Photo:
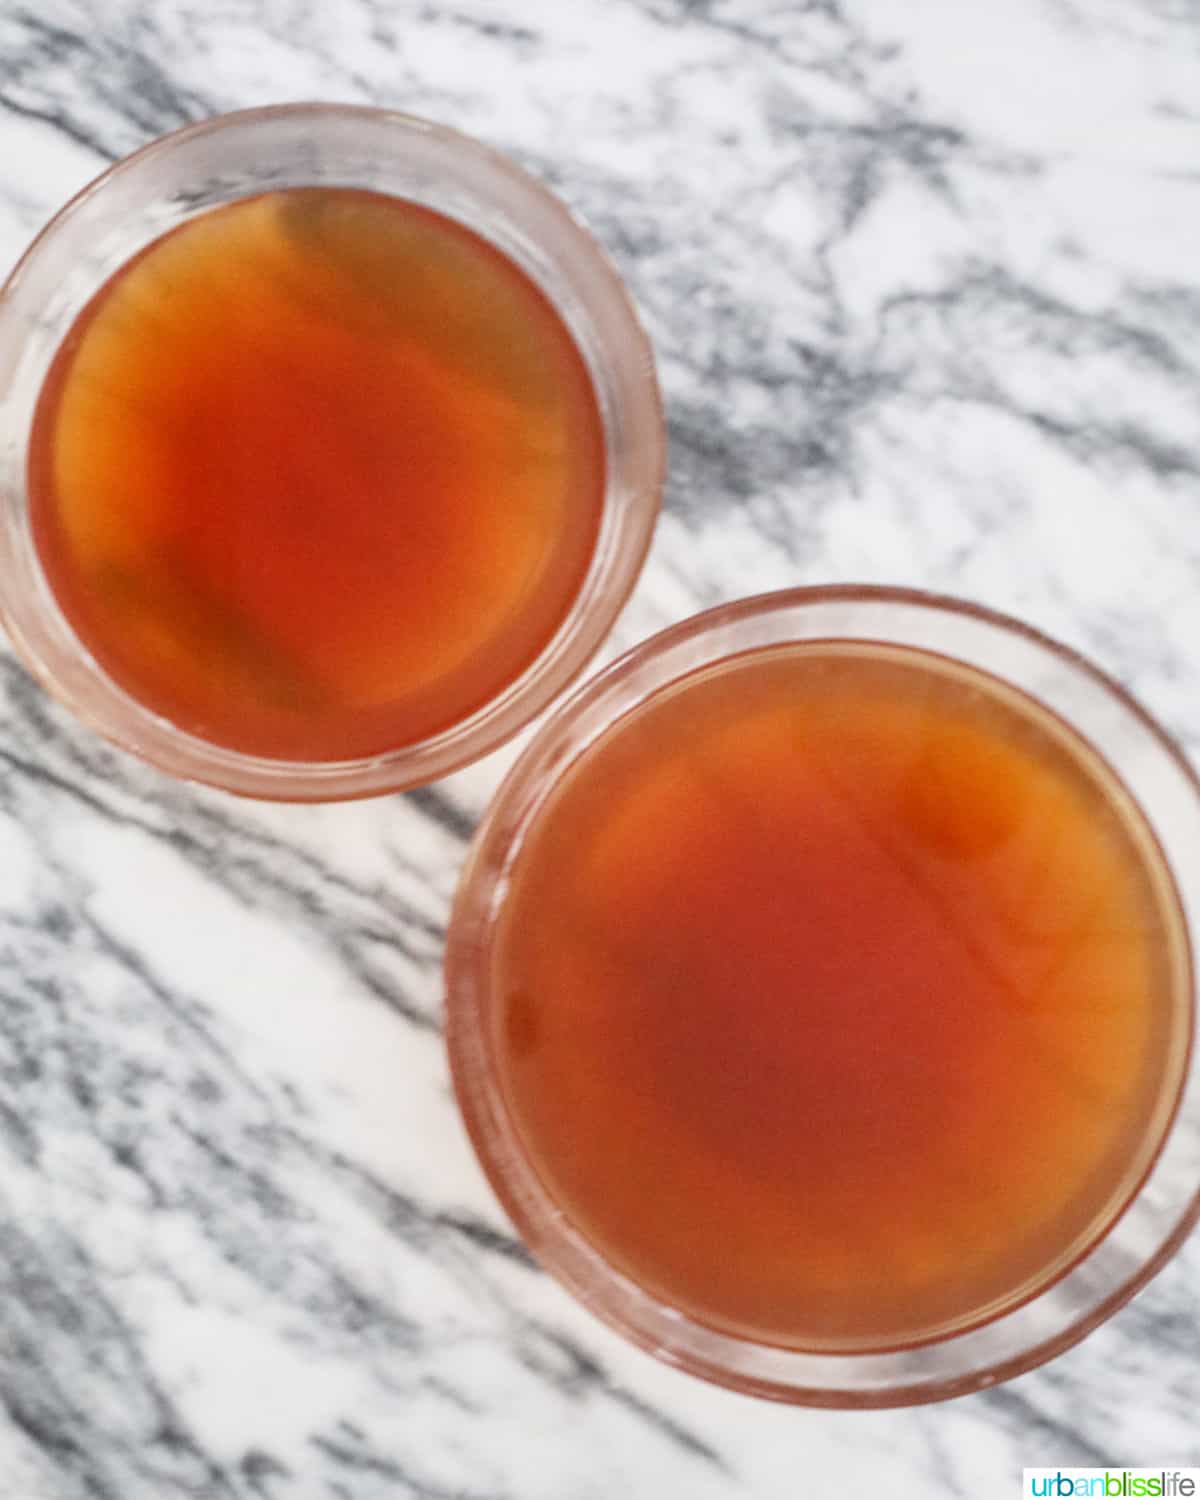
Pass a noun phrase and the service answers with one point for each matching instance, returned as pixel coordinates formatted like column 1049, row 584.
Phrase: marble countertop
column 924, row 281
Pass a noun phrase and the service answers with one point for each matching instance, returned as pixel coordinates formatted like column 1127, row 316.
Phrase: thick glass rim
column 1143, row 759
column 236, row 155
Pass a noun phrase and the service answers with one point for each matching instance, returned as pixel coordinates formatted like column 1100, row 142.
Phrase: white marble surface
column 924, row 279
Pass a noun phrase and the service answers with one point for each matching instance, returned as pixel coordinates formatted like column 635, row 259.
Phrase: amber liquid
column 844, row 997
column 317, row 474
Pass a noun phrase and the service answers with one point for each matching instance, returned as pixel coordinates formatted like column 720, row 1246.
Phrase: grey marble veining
column 924, row 280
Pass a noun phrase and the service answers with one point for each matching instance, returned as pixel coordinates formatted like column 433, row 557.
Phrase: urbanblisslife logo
column 1113, row 1484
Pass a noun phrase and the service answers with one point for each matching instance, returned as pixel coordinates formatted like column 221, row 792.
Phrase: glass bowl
column 1090, row 1288
column 240, row 155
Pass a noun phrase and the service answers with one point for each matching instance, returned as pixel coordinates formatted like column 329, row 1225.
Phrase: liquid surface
column 317, row 474
column 843, row 997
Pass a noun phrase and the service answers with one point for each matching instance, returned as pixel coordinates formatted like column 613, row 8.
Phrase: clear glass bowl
column 1164, row 1206
column 239, row 155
